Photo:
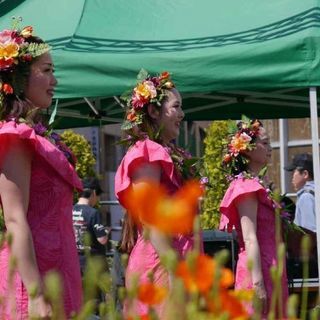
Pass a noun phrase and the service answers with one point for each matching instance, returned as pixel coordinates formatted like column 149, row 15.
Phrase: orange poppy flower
column 227, row 302
column 226, row 279
column 199, row 276
column 151, row 294
column 149, row 203
column 134, row 199
column 142, row 317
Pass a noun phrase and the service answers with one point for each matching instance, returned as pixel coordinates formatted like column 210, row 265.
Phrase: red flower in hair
column 7, row 89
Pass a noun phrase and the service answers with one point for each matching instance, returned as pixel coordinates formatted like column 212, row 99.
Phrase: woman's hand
column 39, row 308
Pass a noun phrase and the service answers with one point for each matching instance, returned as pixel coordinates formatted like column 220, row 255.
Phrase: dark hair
column 310, row 172
column 149, row 127
column 301, row 162
column 16, row 105
column 90, row 184
column 129, row 234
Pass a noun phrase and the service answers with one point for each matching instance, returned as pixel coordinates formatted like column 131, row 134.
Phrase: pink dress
column 49, row 216
column 144, row 258
column 265, row 233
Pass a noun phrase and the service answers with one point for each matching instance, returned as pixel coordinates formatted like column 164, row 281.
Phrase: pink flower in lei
column 276, row 199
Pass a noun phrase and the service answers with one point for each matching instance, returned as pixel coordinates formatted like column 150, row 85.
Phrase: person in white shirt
column 302, row 180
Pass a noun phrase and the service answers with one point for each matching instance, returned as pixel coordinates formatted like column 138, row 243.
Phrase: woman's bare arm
column 247, row 207
column 160, row 241
column 14, row 191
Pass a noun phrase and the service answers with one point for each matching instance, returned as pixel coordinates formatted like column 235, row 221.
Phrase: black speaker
column 215, row 240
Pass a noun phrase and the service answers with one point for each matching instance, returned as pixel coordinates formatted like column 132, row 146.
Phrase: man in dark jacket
column 87, row 222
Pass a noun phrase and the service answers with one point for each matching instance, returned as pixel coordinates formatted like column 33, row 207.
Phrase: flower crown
column 242, row 137
column 15, row 53
column 149, row 90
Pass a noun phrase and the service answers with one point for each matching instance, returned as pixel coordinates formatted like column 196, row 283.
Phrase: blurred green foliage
column 216, row 134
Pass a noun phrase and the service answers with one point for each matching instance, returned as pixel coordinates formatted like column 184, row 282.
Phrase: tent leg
column 316, row 164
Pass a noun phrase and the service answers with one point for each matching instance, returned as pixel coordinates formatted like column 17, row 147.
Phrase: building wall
column 297, row 139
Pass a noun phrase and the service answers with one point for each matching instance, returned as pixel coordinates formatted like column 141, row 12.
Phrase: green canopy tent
column 261, row 58
column 227, row 58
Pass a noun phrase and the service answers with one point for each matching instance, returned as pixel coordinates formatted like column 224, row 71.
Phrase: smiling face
column 261, row 155
column 41, row 82
column 171, row 116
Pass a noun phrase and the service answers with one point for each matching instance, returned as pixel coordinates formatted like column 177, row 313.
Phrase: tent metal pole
column 316, row 164
column 91, row 106
column 283, row 151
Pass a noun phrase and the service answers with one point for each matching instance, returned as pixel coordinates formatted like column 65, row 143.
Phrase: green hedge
column 216, row 134
column 81, row 148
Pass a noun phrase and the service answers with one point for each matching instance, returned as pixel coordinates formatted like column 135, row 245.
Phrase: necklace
column 55, row 139
column 184, row 163
column 280, row 203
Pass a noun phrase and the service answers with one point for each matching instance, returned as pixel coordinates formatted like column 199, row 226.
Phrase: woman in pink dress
column 153, row 120
column 248, row 207
column 37, row 179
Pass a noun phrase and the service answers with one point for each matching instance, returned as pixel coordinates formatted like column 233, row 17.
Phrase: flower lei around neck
column 282, row 205
column 187, row 166
column 55, row 139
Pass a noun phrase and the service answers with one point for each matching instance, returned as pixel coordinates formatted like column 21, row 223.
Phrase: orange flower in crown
column 149, row 90
column 240, row 142
column 242, row 138
column 16, row 51
column 150, row 204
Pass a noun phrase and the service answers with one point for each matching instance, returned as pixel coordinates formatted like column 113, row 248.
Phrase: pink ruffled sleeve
column 239, row 187
column 9, row 130
column 142, row 152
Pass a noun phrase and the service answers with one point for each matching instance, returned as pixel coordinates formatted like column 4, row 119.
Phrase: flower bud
column 26, row 32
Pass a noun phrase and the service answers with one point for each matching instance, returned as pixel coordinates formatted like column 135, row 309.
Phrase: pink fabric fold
column 238, row 187
column 42, row 146
column 145, row 151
